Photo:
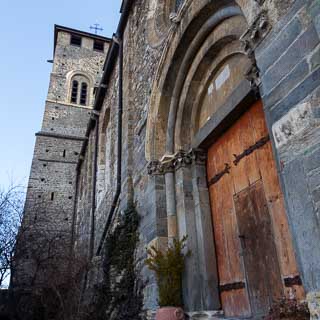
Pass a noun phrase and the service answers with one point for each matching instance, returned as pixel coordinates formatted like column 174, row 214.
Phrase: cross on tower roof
column 96, row 28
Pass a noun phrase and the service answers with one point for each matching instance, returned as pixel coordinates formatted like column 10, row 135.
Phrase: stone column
column 205, row 239
column 194, row 220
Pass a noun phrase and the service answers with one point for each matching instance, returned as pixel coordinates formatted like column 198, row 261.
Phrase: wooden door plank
column 234, row 302
column 255, row 180
column 237, row 301
column 217, row 214
column 231, row 219
column 247, row 139
column 282, row 235
column 239, row 176
column 262, row 267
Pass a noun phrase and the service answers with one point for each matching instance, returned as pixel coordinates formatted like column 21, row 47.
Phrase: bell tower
column 48, row 218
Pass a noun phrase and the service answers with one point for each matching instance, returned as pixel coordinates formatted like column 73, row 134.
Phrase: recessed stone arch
column 206, row 37
column 194, row 26
column 221, row 49
column 158, row 20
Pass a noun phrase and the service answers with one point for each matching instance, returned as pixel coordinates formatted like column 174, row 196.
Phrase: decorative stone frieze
column 253, row 76
column 198, row 156
column 205, row 315
column 251, row 39
column 155, row 168
column 180, row 159
column 256, row 32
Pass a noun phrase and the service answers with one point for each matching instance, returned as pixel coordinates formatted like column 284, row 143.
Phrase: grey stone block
column 313, row 8
column 303, row 222
column 312, row 161
column 297, row 51
column 279, row 27
column 274, row 93
column 295, row 96
column 279, row 45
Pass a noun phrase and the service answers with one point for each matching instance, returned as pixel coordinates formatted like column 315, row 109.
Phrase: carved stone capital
column 182, row 159
column 174, row 17
column 155, row 168
column 198, row 156
column 178, row 160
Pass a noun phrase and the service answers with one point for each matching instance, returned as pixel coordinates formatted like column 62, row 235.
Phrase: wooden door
column 253, row 243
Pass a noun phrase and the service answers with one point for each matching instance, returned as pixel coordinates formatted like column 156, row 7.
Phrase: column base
column 205, row 315
column 313, row 299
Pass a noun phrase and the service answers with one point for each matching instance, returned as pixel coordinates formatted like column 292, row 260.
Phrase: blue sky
column 26, row 43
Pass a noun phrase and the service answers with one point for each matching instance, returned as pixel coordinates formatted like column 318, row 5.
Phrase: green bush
column 168, row 267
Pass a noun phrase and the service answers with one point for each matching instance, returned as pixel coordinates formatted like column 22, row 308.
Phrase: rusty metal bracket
column 218, row 176
column 232, row 286
column 292, row 281
column 260, row 143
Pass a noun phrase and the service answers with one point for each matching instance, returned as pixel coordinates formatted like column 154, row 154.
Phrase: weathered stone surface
column 168, row 66
column 51, row 190
column 313, row 300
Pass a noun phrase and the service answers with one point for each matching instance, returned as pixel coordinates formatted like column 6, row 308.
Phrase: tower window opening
column 98, row 45
column 74, row 92
column 64, row 153
column 52, row 196
column 83, row 95
column 75, row 40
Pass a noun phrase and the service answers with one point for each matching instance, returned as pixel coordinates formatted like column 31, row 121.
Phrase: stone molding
column 170, row 163
column 256, row 32
column 206, row 315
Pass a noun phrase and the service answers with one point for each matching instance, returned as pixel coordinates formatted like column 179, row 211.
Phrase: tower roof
column 58, row 28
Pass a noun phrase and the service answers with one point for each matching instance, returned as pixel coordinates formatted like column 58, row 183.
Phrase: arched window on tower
column 83, row 94
column 79, row 91
column 74, row 91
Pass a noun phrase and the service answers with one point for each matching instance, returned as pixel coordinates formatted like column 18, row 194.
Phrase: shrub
column 168, row 267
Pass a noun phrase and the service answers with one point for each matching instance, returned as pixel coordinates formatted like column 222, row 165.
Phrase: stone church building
column 204, row 115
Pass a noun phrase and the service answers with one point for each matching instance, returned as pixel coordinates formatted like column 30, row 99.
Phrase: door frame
column 238, row 102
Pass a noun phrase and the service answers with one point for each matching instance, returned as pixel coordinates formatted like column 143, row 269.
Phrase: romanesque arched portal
column 207, row 135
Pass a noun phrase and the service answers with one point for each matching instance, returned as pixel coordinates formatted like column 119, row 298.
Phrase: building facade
column 206, row 119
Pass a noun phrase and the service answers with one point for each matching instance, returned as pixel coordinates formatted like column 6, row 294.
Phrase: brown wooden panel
column 260, row 255
column 238, row 173
column 282, row 236
column 225, row 232
column 250, row 187
column 247, row 139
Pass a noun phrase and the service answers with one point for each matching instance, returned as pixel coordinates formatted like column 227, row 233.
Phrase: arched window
column 83, row 94
column 74, row 91
column 79, row 92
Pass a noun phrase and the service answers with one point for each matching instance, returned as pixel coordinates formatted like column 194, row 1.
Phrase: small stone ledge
column 205, row 315
column 200, row 315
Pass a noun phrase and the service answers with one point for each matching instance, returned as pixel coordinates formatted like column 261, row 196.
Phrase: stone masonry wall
column 290, row 72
